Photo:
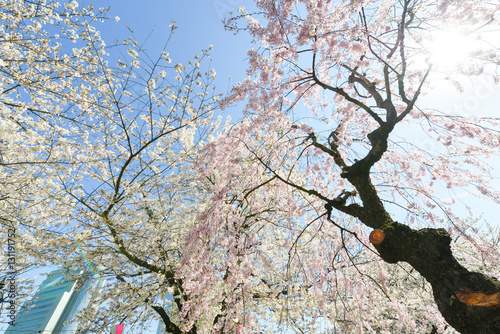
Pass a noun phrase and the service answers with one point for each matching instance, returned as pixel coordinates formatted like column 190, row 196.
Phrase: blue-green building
column 55, row 302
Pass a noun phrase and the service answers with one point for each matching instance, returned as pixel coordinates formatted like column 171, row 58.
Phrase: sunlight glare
column 450, row 49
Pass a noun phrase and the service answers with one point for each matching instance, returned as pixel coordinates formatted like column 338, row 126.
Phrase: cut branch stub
column 475, row 298
column 377, row 236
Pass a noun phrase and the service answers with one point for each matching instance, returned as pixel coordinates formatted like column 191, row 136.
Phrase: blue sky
column 199, row 23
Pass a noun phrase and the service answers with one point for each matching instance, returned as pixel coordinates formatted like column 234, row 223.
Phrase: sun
column 451, row 49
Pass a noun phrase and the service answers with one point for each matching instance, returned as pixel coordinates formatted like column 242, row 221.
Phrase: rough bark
column 426, row 250
column 429, row 252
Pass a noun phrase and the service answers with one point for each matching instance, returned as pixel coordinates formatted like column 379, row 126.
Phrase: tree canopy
column 359, row 69
column 319, row 211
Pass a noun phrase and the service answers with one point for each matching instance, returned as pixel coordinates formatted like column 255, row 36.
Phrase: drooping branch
column 469, row 301
column 286, row 181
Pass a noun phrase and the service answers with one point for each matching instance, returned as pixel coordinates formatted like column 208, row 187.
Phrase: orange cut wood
column 377, row 236
column 476, row 298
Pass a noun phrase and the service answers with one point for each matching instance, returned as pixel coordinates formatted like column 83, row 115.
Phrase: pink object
column 118, row 329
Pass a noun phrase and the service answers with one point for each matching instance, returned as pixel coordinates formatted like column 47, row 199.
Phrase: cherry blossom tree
column 336, row 89
column 291, row 266
column 102, row 175
column 98, row 146
column 39, row 85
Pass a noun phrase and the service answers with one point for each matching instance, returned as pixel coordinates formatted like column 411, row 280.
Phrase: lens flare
column 84, row 258
column 450, row 49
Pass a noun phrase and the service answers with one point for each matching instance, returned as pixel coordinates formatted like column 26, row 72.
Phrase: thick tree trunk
column 469, row 301
column 429, row 252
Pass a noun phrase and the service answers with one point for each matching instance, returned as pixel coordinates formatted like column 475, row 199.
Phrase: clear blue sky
column 199, row 23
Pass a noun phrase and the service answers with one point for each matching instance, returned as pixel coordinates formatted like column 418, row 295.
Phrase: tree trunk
column 429, row 252
column 469, row 301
